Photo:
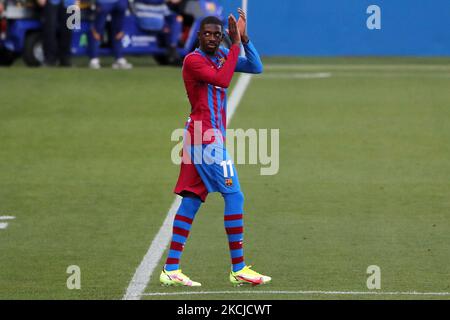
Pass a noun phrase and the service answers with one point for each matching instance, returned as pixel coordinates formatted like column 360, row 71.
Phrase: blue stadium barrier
column 339, row 27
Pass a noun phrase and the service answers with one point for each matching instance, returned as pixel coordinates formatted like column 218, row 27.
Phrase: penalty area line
column 144, row 271
column 380, row 293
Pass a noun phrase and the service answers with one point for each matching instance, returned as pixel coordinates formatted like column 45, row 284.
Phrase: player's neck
column 210, row 54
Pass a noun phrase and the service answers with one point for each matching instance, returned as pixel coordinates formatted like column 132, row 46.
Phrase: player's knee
column 234, row 202
column 239, row 197
column 190, row 205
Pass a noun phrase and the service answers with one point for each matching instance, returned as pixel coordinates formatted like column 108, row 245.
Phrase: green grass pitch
column 364, row 175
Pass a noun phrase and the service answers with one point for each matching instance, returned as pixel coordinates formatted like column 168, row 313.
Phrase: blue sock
column 181, row 227
column 234, row 226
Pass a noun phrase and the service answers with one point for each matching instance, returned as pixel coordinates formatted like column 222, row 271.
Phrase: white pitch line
column 297, row 75
column 143, row 273
column 151, row 259
column 237, row 94
column 418, row 67
column 4, row 225
column 7, row 217
column 340, row 74
column 399, row 293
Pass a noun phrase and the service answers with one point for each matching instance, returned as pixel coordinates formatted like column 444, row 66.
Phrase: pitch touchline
column 411, row 293
column 339, row 74
column 151, row 259
column 297, row 75
column 143, row 273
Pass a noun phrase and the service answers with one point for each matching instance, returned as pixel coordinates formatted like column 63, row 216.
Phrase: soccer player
column 206, row 165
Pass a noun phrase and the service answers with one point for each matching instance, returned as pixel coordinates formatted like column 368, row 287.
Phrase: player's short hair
column 211, row 20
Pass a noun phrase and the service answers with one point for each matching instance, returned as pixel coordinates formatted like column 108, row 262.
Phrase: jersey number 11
column 224, row 165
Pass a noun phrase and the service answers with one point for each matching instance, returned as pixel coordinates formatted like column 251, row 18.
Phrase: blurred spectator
column 177, row 6
column 2, row 7
column 155, row 15
column 57, row 38
column 117, row 9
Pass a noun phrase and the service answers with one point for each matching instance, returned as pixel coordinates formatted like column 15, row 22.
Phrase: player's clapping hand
column 242, row 25
column 233, row 30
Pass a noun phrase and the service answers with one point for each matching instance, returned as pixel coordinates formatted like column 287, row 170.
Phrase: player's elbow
column 258, row 69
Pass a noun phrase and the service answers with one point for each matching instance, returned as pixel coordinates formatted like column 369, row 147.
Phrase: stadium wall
column 339, row 27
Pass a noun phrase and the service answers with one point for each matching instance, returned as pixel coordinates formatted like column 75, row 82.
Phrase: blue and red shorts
column 210, row 169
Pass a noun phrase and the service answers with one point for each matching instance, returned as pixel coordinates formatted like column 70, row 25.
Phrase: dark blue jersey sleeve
column 251, row 62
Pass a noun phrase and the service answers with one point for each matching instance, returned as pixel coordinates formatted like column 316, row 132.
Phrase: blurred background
column 284, row 28
column 339, row 28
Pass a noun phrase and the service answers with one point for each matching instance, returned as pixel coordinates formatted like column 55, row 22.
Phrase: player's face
column 210, row 37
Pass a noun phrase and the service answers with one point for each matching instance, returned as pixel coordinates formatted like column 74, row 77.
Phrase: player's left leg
column 219, row 174
column 234, row 226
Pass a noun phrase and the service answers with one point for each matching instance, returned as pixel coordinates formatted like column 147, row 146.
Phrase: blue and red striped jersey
column 206, row 79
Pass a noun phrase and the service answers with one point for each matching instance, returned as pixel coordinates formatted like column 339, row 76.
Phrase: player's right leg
column 171, row 274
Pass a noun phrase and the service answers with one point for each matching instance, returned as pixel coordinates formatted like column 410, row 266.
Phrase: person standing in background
column 117, row 10
column 156, row 16
column 57, row 37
